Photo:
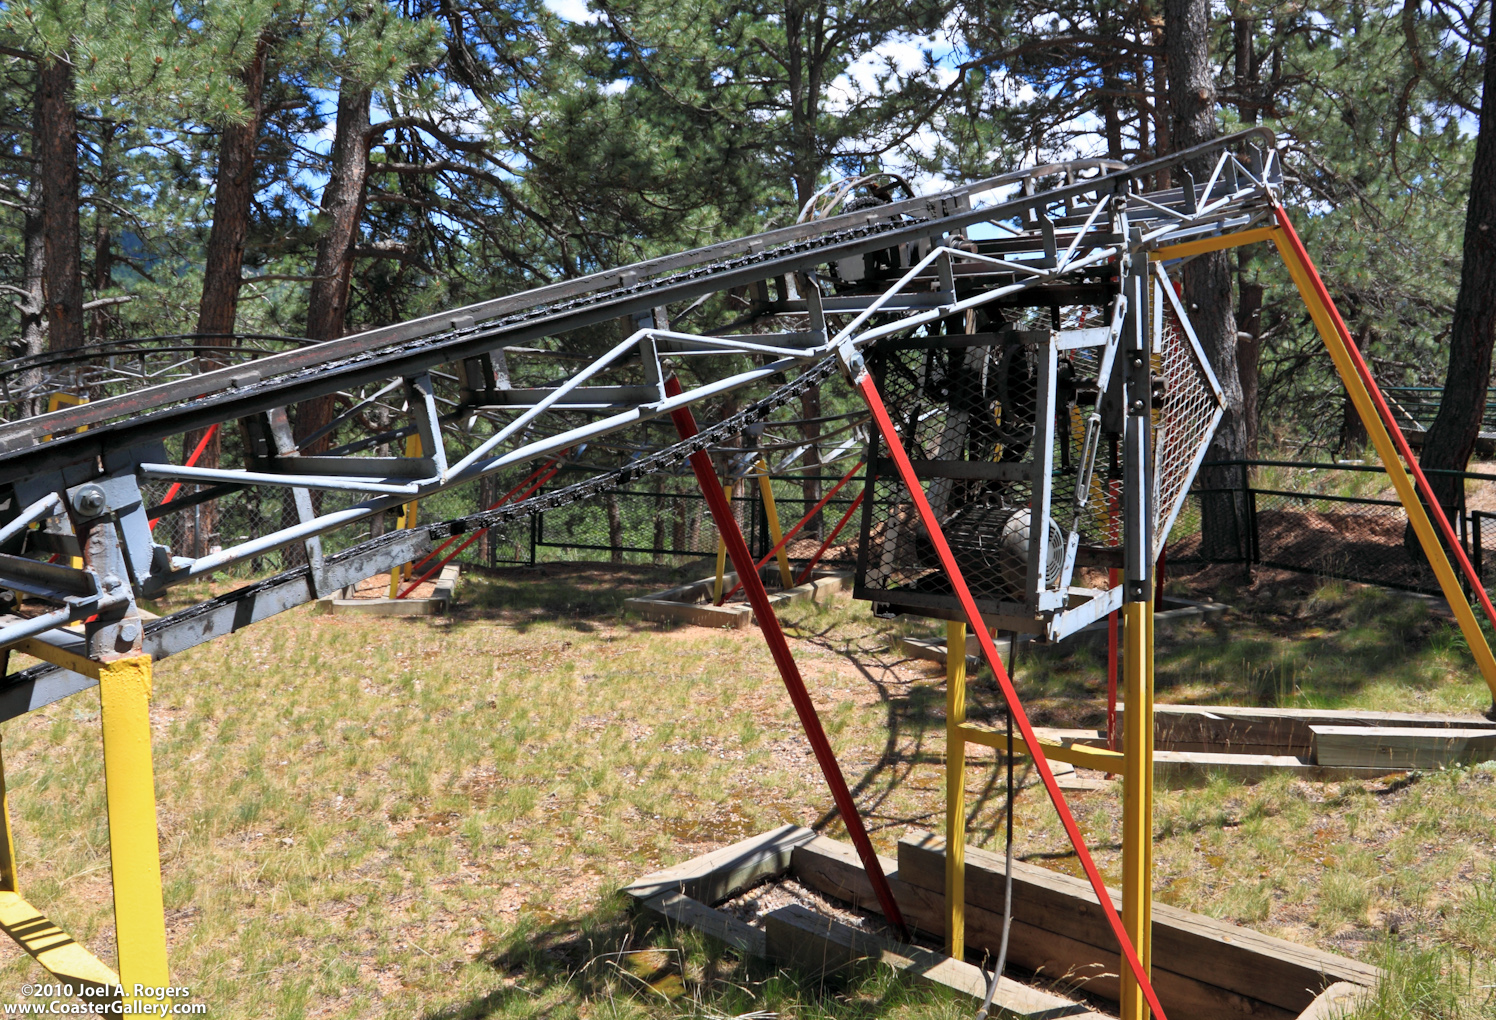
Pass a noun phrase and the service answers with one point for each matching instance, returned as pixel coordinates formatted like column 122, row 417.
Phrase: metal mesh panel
column 958, row 405
column 1183, row 423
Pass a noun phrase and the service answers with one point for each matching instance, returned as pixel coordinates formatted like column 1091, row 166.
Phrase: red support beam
column 176, row 487
column 779, row 648
column 477, row 534
column 795, row 530
column 805, row 574
column 493, row 506
column 1435, row 510
column 864, row 383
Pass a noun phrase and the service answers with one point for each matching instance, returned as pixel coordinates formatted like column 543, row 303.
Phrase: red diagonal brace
column 1435, row 509
column 779, row 647
column 864, row 383
column 805, row 574
column 795, row 530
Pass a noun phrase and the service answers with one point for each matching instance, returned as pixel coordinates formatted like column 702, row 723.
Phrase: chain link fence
column 1332, row 520
column 664, row 519
column 661, row 519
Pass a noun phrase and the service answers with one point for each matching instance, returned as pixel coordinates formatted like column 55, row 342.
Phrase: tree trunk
column 1451, row 439
column 103, row 239
column 342, row 207
column 1248, row 351
column 57, row 147
column 1207, row 279
column 232, row 197
column 1248, row 291
column 1111, row 116
column 1164, row 141
column 615, row 528
column 218, row 306
column 32, row 305
column 1353, row 437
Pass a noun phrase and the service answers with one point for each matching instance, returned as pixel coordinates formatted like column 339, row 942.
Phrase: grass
column 427, row 818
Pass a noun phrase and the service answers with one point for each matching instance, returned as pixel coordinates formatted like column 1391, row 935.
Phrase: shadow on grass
column 914, row 712
column 570, row 594
column 1320, row 646
column 610, row 963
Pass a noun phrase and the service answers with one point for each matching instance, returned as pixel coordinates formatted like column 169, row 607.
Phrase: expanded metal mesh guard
column 964, row 406
column 1185, row 422
column 972, row 414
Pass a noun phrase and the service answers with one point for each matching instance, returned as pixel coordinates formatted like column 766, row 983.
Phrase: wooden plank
column 691, row 603
column 722, row 874
column 824, row 945
column 1277, row 730
column 1402, row 747
column 1233, row 958
column 1335, row 1003
column 1179, row 769
column 722, row 926
column 833, row 868
column 664, row 611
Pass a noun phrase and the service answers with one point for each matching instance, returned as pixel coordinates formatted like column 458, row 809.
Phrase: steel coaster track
column 418, row 345
column 41, row 685
column 88, row 471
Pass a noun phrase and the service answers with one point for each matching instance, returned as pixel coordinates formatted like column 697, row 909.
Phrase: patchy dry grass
column 373, row 817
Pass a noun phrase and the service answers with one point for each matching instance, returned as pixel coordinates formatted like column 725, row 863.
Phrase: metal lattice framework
column 1021, row 327
column 1016, row 424
column 897, row 270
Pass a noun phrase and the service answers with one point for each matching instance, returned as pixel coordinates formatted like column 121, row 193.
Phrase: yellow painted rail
column 1082, row 755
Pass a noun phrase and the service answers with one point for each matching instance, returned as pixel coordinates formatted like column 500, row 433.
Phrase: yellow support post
column 8, row 880
column 48, row 944
column 1137, row 800
column 721, row 551
column 407, row 518
column 955, row 790
column 1221, row 243
column 134, row 853
column 766, row 490
column 59, row 400
column 1449, row 582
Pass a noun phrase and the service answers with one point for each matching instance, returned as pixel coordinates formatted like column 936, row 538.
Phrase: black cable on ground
column 1002, row 948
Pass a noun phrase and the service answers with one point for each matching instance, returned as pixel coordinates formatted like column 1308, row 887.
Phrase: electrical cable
column 1002, row 947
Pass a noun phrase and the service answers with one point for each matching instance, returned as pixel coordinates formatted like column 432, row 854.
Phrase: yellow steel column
column 1449, row 582
column 766, row 489
column 8, row 880
column 722, row 550
column 1145, row 946
column 1137, row 798
column 407, row 518
column 955, row 790
column 134, row 853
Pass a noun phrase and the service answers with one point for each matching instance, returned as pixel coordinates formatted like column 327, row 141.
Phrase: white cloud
column 903, row 53
column 571, row 10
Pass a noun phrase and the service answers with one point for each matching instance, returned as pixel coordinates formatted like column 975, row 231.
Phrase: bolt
column 129, row 632
column 90, row 500
column 1137, row 361
column 111, row 583
column 1137, row 407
